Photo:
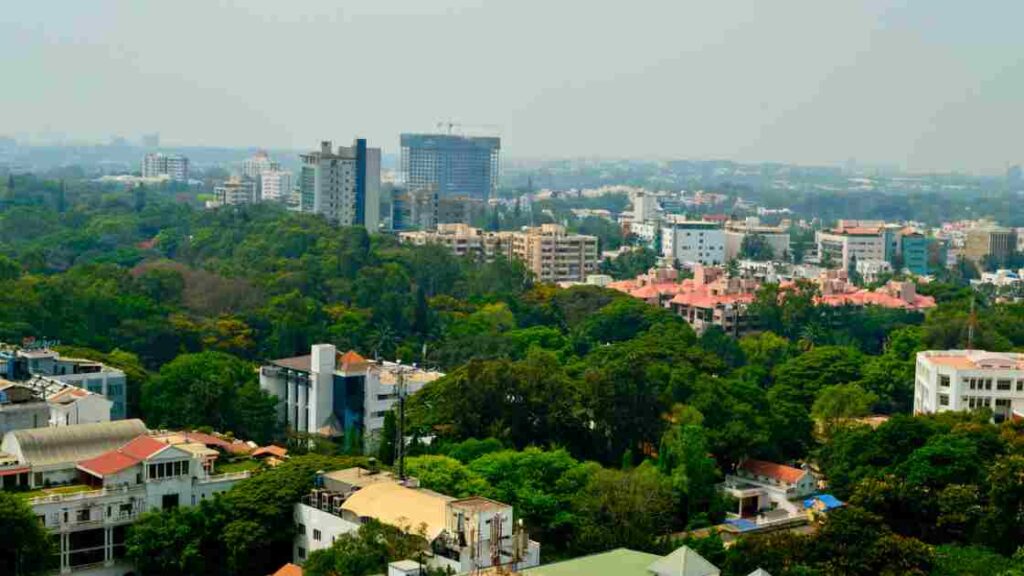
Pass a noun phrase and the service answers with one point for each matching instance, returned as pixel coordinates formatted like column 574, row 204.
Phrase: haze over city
column 927, row 86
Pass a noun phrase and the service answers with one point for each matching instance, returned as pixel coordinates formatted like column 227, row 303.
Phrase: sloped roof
column 351, row 360
column 69, row 444
column 142, row 447
column 300, row 363
column 68, row 395
column 402, row 507
column 289, row 569
column 759, row 572
column 618, row 562
column 270, row 450
column 683, row 562
column 780, row 472
column 108, row 463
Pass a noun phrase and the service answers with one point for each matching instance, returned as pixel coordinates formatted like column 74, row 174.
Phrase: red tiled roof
column 868, row 298
column 351, row 360
column 142, row 447
column 109, row 463
column 780, row 472
column 270, row 451
column 289, row 569
column 704, row 300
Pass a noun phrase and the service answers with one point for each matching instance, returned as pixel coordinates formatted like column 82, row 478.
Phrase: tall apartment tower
column 173, row 166
column 344, row 186
column 455, row 165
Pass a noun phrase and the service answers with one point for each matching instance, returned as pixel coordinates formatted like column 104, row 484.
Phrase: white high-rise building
column 645, row 206
column 257, row 164
column 276, row 185
column 344, row 186
column 236, row 192
column 693, row 242
column 958, row 380
column 173, row 166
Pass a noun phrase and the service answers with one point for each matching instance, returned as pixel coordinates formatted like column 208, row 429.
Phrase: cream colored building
column 548, row 251
column 553, row 255
column 462, row 240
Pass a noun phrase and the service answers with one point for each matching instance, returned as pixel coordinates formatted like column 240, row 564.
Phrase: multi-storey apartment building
column 46, row 368
column 453, row 164
column 171, row 166
column 463, row 240
column 275, row 185
column 968, row 379
column 109, row 473
column 692, row 242
column 257, row 164
column 553, row 255
column 339, row 395
column 236, row 192
column 343, row 186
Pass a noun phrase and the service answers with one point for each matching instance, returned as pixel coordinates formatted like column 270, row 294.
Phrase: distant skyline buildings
column 451, row 164
column 342, row 185
column 173, row 166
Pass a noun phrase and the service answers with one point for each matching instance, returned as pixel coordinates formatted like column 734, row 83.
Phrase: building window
column 316, row 534
column 302, row 552
column 943, row 399
column 82, row 515
column 1004, row 384
column 301, row 528
column 169, row 501
column 944, row 381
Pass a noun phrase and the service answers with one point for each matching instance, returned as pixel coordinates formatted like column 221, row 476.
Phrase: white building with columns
column 337, row 395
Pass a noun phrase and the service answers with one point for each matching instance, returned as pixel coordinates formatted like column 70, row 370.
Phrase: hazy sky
column 926, row 84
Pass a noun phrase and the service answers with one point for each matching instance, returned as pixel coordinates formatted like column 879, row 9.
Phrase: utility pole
column 400, row 371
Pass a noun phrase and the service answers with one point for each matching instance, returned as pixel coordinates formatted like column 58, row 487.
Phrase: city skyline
column 927, row 88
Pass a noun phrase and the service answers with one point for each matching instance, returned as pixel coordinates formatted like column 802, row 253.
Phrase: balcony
column 226, row 477
column 85, row 495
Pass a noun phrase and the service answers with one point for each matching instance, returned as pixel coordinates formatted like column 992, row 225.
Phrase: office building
column 553, row 255
column 173, row 167
column 455, row 165
column 339, row 395
column 48, row 371
column 957, row 380
column 343, row 186
column 109, row 474
column 236, row 192
column 989, row 242
column 914, row 252
column 692, row 242
column 463, row 535
column 852, row 241
column 276, row 185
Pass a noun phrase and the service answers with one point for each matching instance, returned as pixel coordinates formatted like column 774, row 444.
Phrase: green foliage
column 366, row 551
column 446, row 475
column 26, row 547
column 210, row 389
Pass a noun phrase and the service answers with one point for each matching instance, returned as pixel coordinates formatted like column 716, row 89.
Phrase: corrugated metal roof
column 55, row 445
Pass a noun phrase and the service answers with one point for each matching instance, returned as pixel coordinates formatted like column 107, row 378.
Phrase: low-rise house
column 464, row 534
column 109, row 474
column 762, row 487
